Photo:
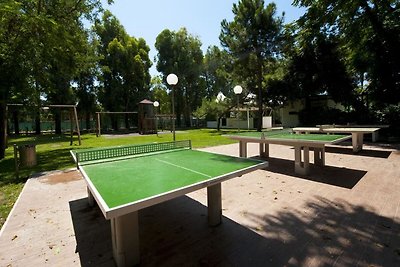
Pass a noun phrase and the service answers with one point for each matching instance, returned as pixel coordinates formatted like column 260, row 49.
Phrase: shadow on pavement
column 337, row 176
column 175, row 233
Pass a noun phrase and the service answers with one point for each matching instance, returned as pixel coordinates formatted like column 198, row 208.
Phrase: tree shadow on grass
column 43, row 139
column 175, row 233
column 58, row 159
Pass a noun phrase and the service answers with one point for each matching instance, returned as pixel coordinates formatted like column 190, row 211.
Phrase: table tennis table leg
column 243, row 149
column 264, row 150
column 214, row 203
column 90, row 197
column 301, row 167
column 125, row 239
column 319, row 156
column 375, row 136
column 357, row 140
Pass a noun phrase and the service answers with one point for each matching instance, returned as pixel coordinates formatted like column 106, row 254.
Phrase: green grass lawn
column 53, row 154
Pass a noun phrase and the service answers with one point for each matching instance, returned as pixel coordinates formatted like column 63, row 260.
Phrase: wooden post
column 71, row 127
column 77, row 126
column 5, row 127
column 98, row 132
column 16, row 161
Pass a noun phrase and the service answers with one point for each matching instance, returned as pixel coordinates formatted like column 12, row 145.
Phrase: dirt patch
column 61, row 177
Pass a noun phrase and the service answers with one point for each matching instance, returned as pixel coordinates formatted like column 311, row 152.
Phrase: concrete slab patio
column 344, row 214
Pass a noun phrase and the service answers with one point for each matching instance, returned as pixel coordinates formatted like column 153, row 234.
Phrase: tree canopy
column 180, row 53
column 124, row 66
column 254, row 40
column 345, row 49
column 42, row 47
column 368, row 33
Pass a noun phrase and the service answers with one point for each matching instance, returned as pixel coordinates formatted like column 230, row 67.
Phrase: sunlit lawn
column 53, row 154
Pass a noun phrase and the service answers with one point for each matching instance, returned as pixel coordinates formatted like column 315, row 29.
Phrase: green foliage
column 43, row 47
column 368, row 35
column 323, row 115
column 254, row 40
column 391, row 115
column 125, row 64
column 159, row 92
column 317, row 68
column 211, row 109
column 180, row 53
column 218, row 72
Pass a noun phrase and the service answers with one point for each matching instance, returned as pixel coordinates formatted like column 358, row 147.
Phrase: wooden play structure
column 73, row 117
column 147, row 119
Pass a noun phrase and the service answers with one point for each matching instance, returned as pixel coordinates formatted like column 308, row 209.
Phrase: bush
column 319, row 115
column 391, row 116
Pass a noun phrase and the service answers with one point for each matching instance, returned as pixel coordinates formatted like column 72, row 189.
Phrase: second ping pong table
column 123, row 180
column 357, row 133
column 301, row 143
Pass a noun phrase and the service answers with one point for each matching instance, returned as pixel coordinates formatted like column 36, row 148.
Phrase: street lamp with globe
column 156, row 104
column 237, row 90
column 172, row 80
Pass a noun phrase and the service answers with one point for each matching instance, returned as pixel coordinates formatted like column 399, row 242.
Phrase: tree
column 217, row 72
column 86, row 89
column 369, row 35
column 33, row 35
column 180, row 53
column 125, row 64
column 254, row 40
column 159, row 92
column 213, row 108
column 318, row 68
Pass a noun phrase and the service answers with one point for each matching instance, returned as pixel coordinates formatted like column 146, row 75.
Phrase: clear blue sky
column 202, row 18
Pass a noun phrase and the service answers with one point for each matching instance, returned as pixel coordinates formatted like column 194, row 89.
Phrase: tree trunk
column 57, row 122
column 114, row 122
column 3, row 127
column 16, row 122
column 37, row 124
column 87, row 119
column 260, row 98
column 127, row 122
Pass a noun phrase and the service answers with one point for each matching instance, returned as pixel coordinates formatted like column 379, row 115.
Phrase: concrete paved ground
column 345, row 214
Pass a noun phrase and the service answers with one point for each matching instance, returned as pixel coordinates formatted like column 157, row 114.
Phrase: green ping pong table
column 123, row 180
column 301, row 143
column 357, row 133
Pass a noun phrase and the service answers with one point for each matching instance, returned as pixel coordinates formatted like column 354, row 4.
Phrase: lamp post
column 238, row 90
column 172, row 80
column 156, row 104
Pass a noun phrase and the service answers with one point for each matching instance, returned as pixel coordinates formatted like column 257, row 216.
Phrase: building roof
column 146, row 101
